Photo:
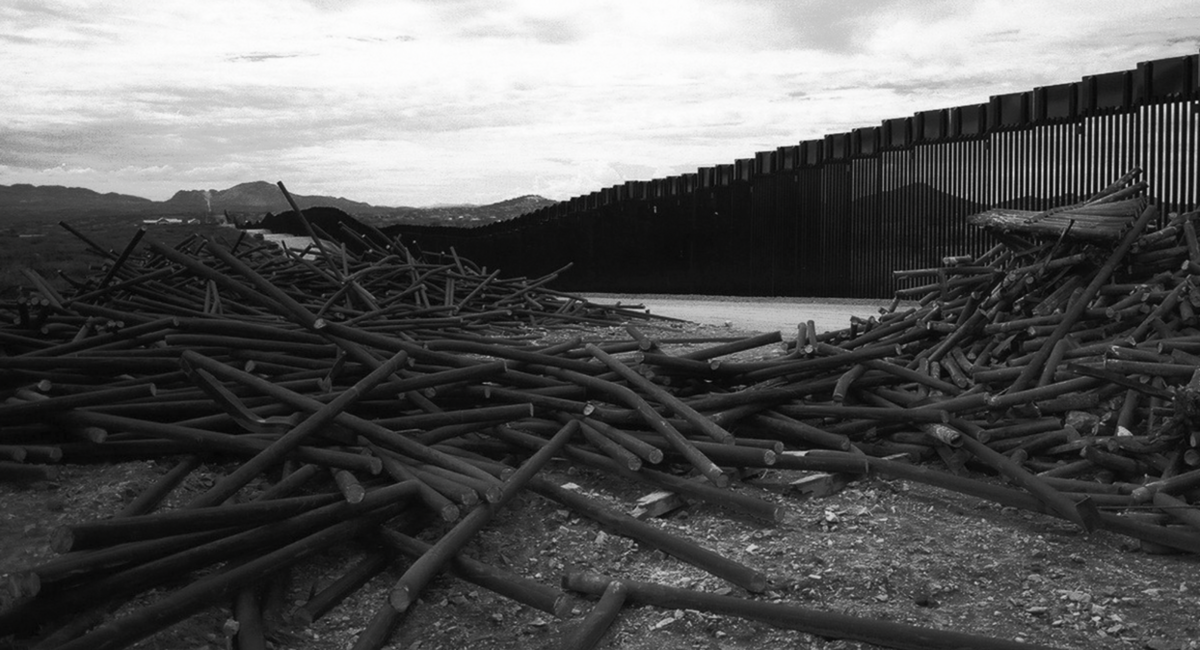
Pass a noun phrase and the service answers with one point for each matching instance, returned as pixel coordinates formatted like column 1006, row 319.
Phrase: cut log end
column 401, row 599
column 24, row 584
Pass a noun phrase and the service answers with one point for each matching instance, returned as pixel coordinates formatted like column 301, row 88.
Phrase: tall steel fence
column 835, row 216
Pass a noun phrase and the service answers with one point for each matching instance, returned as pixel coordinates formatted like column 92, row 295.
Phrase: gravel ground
column 755, row 314
column 881, row 549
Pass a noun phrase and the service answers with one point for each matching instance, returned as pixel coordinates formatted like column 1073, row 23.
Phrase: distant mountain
column 259, row 197
column 917, row 210
column 53, row 200
column 460, row 215
column 924, row 197
column 931, row 199
column 244, row 201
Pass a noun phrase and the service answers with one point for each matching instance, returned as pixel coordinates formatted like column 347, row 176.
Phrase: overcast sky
column 416, row 102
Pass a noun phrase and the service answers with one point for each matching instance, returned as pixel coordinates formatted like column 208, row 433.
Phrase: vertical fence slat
column 834, row 216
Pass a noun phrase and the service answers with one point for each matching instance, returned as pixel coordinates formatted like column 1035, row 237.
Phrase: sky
column 422, row 102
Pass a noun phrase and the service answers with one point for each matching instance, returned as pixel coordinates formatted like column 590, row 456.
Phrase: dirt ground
column 883, row 549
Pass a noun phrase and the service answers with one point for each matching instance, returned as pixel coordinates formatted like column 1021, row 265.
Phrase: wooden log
column 376, row 433
column 516, row 587
column 24, row 473
column 673, row 403
column 148, row 500
column 795, row 432
column 787, row 616
column 635, row 445
column 247, row 610
column 120, row 530
column 592, row 629
column 371, row 564
column 730, row 500
column 1078, row 305
column 694, row 456
column 410, row 585
column 735, row 572
column 1075, row 513
column 201, row 550
column 436, row 500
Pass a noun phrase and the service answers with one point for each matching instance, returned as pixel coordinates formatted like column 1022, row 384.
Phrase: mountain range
column 245, row 200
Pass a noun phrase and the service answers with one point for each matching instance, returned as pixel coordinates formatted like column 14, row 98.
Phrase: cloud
column 425, row 101
column 551, row 31
column 383, row 39
column 17, row 39
column 29, row 22
column 260, row 57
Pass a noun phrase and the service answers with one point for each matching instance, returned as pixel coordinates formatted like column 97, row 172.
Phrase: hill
column 256, row 198
column 460, row 215
column 245, row 201
column 23, row 200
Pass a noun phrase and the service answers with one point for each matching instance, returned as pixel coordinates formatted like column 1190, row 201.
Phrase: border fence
column 833, row 217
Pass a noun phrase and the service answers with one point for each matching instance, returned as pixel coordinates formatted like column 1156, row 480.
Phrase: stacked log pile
column 374, row 388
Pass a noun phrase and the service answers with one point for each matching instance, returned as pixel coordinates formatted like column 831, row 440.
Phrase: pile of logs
column 371, row 383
